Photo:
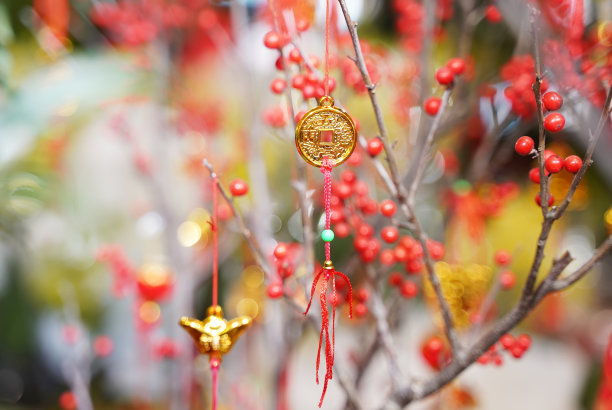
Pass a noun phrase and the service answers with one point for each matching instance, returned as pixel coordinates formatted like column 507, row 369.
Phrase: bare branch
column 423, row 155
column 603, row 249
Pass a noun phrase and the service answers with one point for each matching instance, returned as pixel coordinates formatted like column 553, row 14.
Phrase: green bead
column 327, row 235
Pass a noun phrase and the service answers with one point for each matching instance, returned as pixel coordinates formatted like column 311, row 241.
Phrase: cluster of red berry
column 507, row 279
column 409, row 24
column 516, row 347
column 519, row 72
column 445, row 76
column 285, row 256
column 122, row 270
column 351, row 74
column 138, row 23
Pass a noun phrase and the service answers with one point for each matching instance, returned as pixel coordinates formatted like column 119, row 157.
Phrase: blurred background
column 107, row 110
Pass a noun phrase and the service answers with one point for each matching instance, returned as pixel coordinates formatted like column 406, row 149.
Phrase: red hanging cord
column 215, row 275
column 327, row 24
column 328, row 273
column 214, row 361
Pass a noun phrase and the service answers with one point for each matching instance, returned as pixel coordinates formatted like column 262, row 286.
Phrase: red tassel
column 330, row 347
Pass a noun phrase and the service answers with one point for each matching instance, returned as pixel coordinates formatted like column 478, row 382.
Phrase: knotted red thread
column 328, row 272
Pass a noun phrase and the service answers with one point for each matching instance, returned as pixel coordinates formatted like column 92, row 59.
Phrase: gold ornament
column 325, row 131
column 214, row 335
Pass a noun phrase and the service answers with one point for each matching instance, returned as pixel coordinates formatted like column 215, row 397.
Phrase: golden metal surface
column 313, row 139
column 214, row 335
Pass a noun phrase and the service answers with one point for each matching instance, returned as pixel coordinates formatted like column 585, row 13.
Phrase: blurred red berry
column 375, row 146
column 387, row 208
column 395, row 278
column 507, row 341
column 554, row 164
column 361, row 309
column 68, row 401
column 507, row 279
column 278, row 85
column 524, row 341
column 456, row 65
column 502, row 257
column 389, row 234
column 272, row 40
column 409, row 289
column 238, row 187
column 280, row 251
column 362, row 295
column 444, row 76
column 493, row 14
column 275, row 290
column 432, row 105
column 103, row 346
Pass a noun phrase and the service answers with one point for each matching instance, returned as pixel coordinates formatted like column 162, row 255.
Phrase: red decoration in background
column 604, row 398
column 55, row 14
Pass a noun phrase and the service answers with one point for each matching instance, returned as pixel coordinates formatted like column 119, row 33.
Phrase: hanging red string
column 214, row 361
column 328, row 273
column 327, row 24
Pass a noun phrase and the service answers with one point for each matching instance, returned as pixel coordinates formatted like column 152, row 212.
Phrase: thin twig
column 603, row 249
column 423, row 155
column 248, row 235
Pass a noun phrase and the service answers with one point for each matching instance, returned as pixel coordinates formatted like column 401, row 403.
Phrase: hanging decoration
column 325, row 137
column 214, row 335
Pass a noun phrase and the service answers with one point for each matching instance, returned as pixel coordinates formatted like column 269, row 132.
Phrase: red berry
column 414, row 266
column 573, row 163
column 524, row 145
column 238, row 187
column 498, row 360
column 554, row 164
column 348, row 176
column 103, row 346
column 524, row 341
column 275, row 290
column 534, row 175
column 444, row 76
column 409, row 289
column 400, row 253
column 517, row 351
column 375, row 146
column 342, row 230
column 363, row 295
column 492, row 14
column 554, row 122
column 395, row 279
column 280, row 251
column 456, row 65
column 484, row 359
column 308, row 91
column 389, row 234
column 272, row 40
column 436, row 249
column 343, row 190
column 551, row 200
column 507, row 341
column 278, row 85
column 365, row 230
column 360, row 243
column 298, row 82
column 387, row 258
column 552, row 100
column 502, row 257
column 507, row 279
column 387, row 208
column 295, row 56
column 302, row 25
column 432, row 105
column 433, row 352
column 68, row 401
column 361, row 310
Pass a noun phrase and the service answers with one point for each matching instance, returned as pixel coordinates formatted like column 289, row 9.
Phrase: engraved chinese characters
column 325, row 131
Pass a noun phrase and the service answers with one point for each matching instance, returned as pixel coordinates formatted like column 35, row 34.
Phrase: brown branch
column 365, row 75
column 579, row 273
column 379, row 311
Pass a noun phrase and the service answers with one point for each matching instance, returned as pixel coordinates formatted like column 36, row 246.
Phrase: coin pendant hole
column 326, row 137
